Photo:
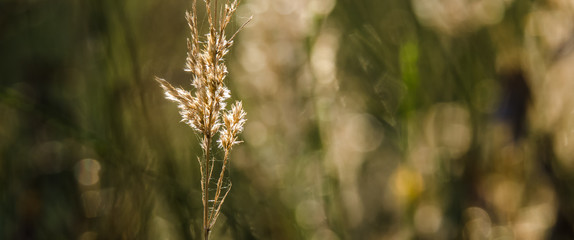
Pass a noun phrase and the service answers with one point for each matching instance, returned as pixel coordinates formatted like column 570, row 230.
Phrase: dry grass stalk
column 205, row 108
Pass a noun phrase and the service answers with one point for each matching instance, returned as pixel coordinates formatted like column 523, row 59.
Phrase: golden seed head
column 233, row 122
column 204, row 108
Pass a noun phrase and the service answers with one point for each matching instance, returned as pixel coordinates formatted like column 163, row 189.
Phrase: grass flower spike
column 204, row 108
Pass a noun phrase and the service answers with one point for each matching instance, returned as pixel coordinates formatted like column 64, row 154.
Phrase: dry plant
column 205, row 108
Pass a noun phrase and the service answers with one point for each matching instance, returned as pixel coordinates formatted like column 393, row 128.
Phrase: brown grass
column 204, row 109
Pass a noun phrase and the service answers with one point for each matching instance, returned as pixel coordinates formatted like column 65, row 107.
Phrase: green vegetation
column 373, row 119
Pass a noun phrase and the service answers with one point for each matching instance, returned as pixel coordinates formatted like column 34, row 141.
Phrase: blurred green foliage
column 366, row 120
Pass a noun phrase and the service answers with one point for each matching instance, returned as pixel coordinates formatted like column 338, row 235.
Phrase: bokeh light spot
column 87, row 172
column 428, row 219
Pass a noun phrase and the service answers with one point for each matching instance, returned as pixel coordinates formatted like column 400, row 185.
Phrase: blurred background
column 371, row 119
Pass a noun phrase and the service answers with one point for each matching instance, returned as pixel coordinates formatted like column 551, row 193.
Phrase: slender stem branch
column 219, row 185
column 208, row 169
column 206, row 229
column 206, row 234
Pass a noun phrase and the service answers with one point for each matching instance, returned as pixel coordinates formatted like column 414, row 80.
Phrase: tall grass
column 204, row 109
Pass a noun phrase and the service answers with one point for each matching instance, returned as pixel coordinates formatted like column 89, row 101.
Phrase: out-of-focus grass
column 367, row 120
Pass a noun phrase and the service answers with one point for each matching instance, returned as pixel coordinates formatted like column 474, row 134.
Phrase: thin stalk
column 219, row 183
column 208, row 137
column 206, row 228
